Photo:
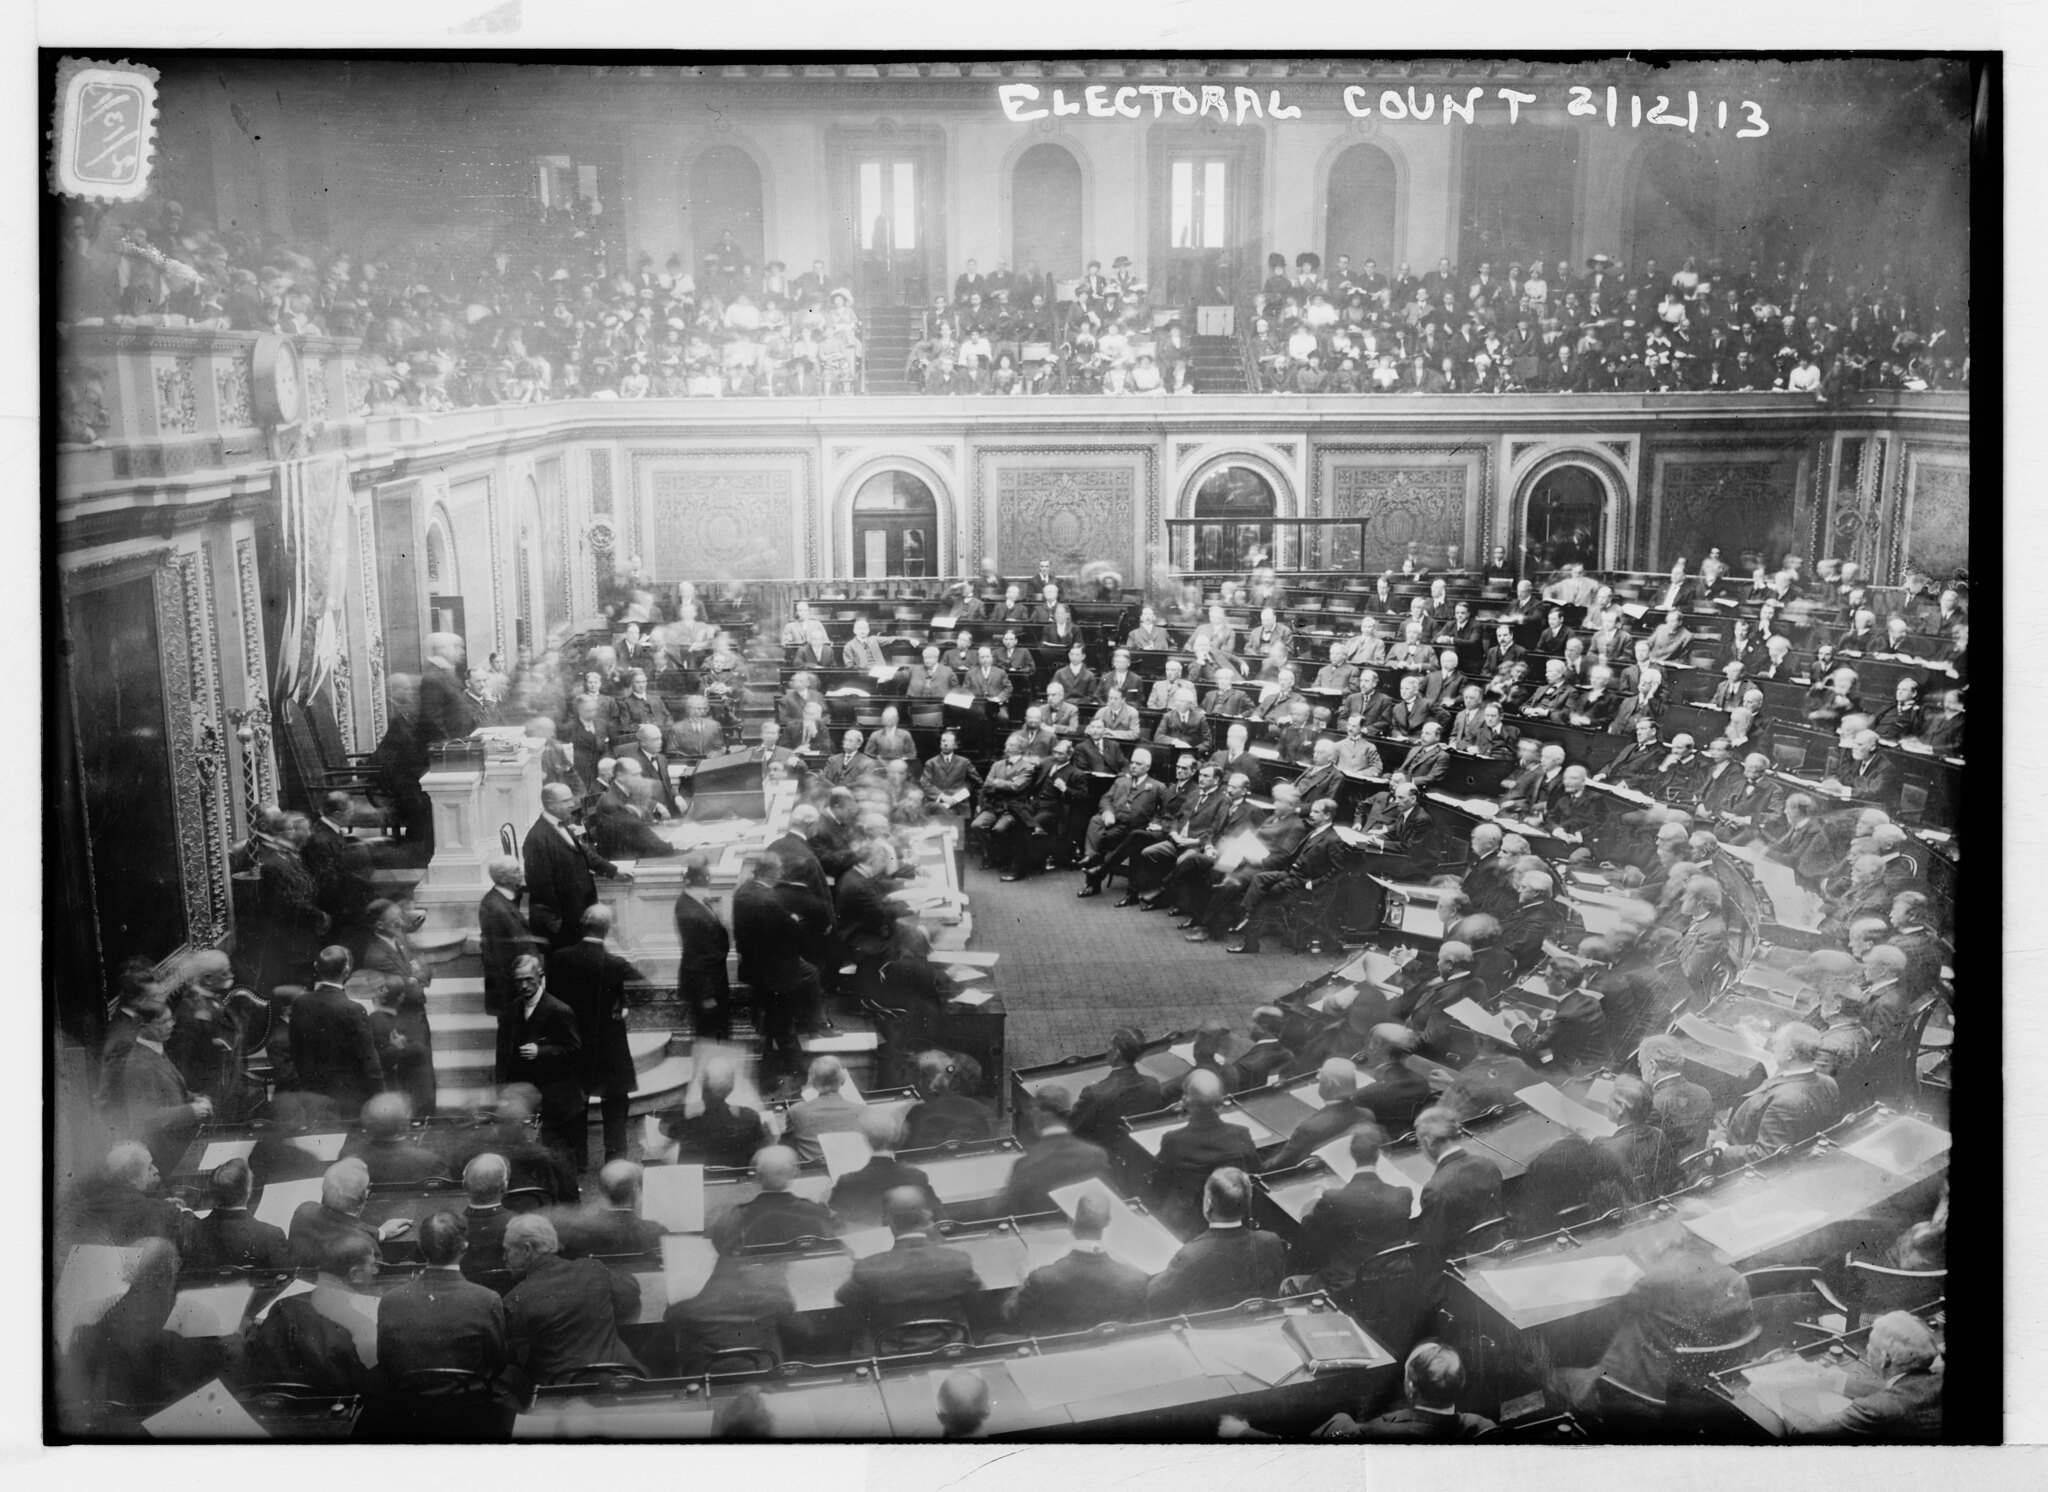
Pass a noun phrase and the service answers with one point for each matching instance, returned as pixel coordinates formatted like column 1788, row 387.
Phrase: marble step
column 661, row 1086
column 474, row 1049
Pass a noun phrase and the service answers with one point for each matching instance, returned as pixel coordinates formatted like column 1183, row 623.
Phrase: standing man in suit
column 702, row 980
column 406, row 1040
column 503, row 933
column 333, row 1047
column 144, row 1094
column 783, row 983
column 445, row 712
column 561, row 870
column 916, row 1279
column 340, row 866
column 1189, row 1154
column 1463, row 1189
column 592, row 981
column 1225, row 1264
column 1082, row 1288
column 1346, row 1226
column 540, row 1046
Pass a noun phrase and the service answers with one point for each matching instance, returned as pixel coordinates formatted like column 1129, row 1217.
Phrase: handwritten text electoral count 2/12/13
column 1023, row 102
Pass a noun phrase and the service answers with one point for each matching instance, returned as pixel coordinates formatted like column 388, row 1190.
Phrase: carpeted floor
column 1073, row 970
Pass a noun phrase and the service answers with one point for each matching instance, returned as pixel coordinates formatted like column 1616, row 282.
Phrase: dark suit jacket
column 950, row 1116
column 438, row 1319
column 1217, row 1268
column 606, row 1229
column 1316, row 1131
column 232, row 1236
column 1396, row 1094
column 1785, row 1110
column 769, row 937
column 1187, row 1156
column 486, row 1249
column 504, row 937
column 863, row 914
column 566, row 1315
column 1909, row 1409
column 556, row 1068
column 745, row 1303
column 858, row 1196
column 919, row 1278
column 150, row 1102
column 771, row 1218
column 1079, row 1290
column 396, row 1160
column 723, row 1136
column 591, row 980
column 1684, row 1298
column 561, row 882
column 1463, row 1190
column 1056, row 1160
column 315, row 1225
column 1347, row 1225
column 445, row 713
column 333, row 1048
column 1102, row 1105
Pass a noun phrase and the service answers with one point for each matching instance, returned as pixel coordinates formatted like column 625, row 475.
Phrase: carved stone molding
column 720, row 525
column 1932, row 526
column 373, row 615
column 1731, row 493
column 1418, row 501
column 806, row 504
column 259, row 772
column 1083, row 458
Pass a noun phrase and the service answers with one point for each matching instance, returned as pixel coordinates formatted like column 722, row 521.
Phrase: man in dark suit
column 1103, row 1106
column 503, row 934
column 858, row 1196
column 561, row 871
column 612, row 1224
column 593, row 982
column 783, row 983
column 633, row 709
column 1082, row 1288
column 316, row 1226
column 943, row 1113
column 1225, row 1264
column 1393, row 1093
column 340, row 865
column 1320, row 856
column 1795, row 1103
column 484, row 1181
column 1685, row 1297
column 774, row 1214
column 1463, row 1189
column 1432, row 1380
column 538, row 1044
column 645, row 752
column 333, row 1047
column 947, row 775
column 1189, row 1154
column 1346, row 1226
column 144, row 1095
column 1055, row 1158
column 744, row 1304
column 438, row 1319
column 385, row 1144
column 445, row 713
column 564, row 1315
column 917, row 1279
column 228, row 1236
column 1903, row 1351
column 1681, row 1110
column 721, row 1135
column 702, row 979
column 1337, row 1087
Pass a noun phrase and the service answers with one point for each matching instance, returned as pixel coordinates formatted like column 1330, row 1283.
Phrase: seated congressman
column 1227, row 1262
column 229, row 1236
column 436, row 1321
column 721, row 1135
column 917, row 1279
column 1082, row 1288
column 859, row 1196
column 1055, row 1157
column 610, row 1223
column 775, row 1214
column 564, row 1315
column 1431, row 1381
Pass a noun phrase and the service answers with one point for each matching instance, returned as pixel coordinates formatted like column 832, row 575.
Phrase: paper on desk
column 1099, row 1372
column 1470, row 1015
column 1185, row 1051
column 1903, row 1145
column 1042, row 1246
column 1804, row 1394
column 865, row 1243
column 1756, row 1223
column 1393, row 1175
column 296, row 1287
column 674, row 1197
column 1255, row 1352
column 845, row 690
column 881, row 673
column 972, row 959
column 95, row 1275
column 1733, row 1041
column 207, row 1413
column 960, row 699
column 1138, row 1241
column 211, row 1310
column 1567, row 1282
column 321, row 1147
column 1599, row 1092
column 220, row 1152
column 945, row 623
column 974, row 996
column 1554, row 1106
column 845, row 1150
column 1337, row 1156
column 282, row 1198
column 846, row 1041
column 687, row 1260
column 812, row 1188
column 961, row 974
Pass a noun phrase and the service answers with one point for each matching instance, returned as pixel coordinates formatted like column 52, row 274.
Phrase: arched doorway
column 445, row 612
column 1045, row 213
column 1360, row 221
column 1234, row 498
column 1564, row 522
column 895, row 527
column 725, row 194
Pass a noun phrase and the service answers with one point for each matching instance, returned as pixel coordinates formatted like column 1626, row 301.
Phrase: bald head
column 345, row 1186
column 962, row 1403
column 1203, row 1091
column 620, row 1182
column 385, row 1116
column 131, row 1163
column 485, row 1178
column 1337, row 1081
column 775, row 1168
column 1091, row 1216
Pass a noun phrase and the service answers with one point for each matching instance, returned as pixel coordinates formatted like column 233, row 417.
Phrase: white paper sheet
column 95, row 1275
column 1252, row 1351
column 1099, row 1372
column 1725, row 1039
column 674, row 1197
column 321, row 1147
column 207, row 1413
column 1185, row 1051
column 282, row 1198
column 1600, row 1093
column 1139, row 1241
column 220, row 1152
column 1337, row 1156
column 296, row 1287
column 865, row 1243
column 686, row 1264
column 1554, row 1106
column 845, row 1150
column 1756, row 1223
column 1567, row 1282
column 961, row 974
column 210, row 1311
column 849, row 1041
column 972, row 959
column 960, row 699
column 1470, row 1015
column 812, row 1188
column 1901, row 1146
column 1393, row 1175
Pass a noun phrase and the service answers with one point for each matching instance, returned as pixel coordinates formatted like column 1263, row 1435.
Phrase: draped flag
column 314, row 511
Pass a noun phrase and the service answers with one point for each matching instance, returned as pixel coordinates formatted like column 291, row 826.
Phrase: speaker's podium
column 726, row 786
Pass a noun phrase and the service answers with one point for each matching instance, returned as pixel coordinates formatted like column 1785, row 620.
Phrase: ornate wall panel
column 1430, row 495
column 1744, row 498
column 1071, row 515
column 373, row 614
column 473, row 514
column 720, row 525
column 259, row 770
column 1937, row 516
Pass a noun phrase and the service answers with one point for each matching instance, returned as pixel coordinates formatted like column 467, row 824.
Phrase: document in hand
column 1554, row 1106
column 674, row 1197
column 207, row 1413
column 210, row 1311
column 686, row 1264
column 1138, row 1241
column 1470, row 1015
column 1393, row 1175
column 282, row 1198
column 220, row 1152
column 845, row 1150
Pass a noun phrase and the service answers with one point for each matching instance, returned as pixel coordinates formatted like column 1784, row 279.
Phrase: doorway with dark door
column 1205, row 187
column 895, row 527
column 889, row 236
column 1565, row 523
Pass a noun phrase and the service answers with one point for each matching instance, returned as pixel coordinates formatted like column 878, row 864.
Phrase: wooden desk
column 844, row 1404
column 1781, row 1391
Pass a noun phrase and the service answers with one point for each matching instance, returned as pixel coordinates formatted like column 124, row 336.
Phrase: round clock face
column 286, row 383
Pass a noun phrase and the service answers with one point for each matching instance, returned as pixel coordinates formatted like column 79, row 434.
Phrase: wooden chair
column 926, row 1334
column 1874, row 1289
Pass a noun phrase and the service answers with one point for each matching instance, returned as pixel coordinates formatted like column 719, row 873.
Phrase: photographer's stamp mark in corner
column 103, row 139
